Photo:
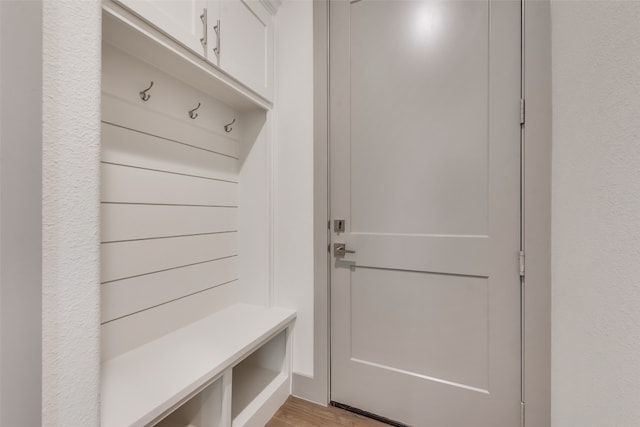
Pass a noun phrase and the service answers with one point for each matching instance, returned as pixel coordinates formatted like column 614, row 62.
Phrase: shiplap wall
column 169, row 204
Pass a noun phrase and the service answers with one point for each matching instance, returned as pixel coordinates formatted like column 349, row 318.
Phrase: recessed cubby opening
column 257, row 377
column 205, row 409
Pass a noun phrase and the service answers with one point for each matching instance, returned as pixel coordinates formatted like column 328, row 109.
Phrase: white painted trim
column 316, row 388
column 537, row 223
column 272, row 5
column 270, row 160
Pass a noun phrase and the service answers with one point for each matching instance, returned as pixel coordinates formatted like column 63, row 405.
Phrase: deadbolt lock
column 339, row 225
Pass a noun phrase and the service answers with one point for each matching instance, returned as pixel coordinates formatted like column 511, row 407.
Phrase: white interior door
column 424, row 142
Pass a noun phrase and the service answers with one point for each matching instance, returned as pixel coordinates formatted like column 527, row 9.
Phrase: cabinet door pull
column 205, row 29
column 216, row 28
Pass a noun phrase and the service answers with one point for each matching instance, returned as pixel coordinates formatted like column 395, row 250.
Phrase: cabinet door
column 179, row 19
column 246, row 44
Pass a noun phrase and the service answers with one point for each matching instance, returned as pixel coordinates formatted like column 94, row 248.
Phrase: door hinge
column 521, row 261
column 521, row 414
column 521, row 111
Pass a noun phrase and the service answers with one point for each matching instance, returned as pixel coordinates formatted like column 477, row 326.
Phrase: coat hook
column 192, row 113
column 228, row 128
column 144, row 95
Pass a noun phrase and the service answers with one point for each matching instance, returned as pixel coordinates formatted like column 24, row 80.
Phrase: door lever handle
column 340, row 250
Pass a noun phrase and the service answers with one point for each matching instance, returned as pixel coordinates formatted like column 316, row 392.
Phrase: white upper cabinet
column 182, row 20
column 234, row 35
column 246, row 43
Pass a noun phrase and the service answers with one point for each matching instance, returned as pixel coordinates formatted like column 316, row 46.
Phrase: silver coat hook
column 144, row 95
column 192, row 113
column 228, row 128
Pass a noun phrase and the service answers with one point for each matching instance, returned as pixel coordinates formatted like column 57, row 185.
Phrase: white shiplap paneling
column 134, row 222
column 125, row 184
column 169, row 211
column 126, row 147
column 123, row 297
column 124, row 76
column 132, row 331
column 141, row 118
column 127, row 259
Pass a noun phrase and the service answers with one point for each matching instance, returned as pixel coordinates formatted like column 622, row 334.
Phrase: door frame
column 536, row 204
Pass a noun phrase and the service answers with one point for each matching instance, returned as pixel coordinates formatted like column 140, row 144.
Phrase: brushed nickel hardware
column 216, row 28
column 143, row 93
column 205, row 30
column 340, row 250
column 227, row 127
column 192, row 113
column 339, row 225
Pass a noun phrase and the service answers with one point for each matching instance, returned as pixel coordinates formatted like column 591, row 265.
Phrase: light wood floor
column 300, row 413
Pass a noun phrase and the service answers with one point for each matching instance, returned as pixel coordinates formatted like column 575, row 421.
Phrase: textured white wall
column 596, row 214
column 293, row 174
column 70, row 216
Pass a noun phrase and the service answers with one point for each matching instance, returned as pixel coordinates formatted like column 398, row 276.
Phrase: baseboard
column 308, row 388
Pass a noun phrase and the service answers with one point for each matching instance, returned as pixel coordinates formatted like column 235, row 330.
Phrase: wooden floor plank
column 301, row 413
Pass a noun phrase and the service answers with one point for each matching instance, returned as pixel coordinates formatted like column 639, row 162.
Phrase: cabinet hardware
column 205, row 30
column 144, row 95
column 228, row 128
column 192, row 113
column 216, row 28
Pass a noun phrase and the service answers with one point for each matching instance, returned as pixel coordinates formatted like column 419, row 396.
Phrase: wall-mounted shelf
column 128, row 33
column 144, row 385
